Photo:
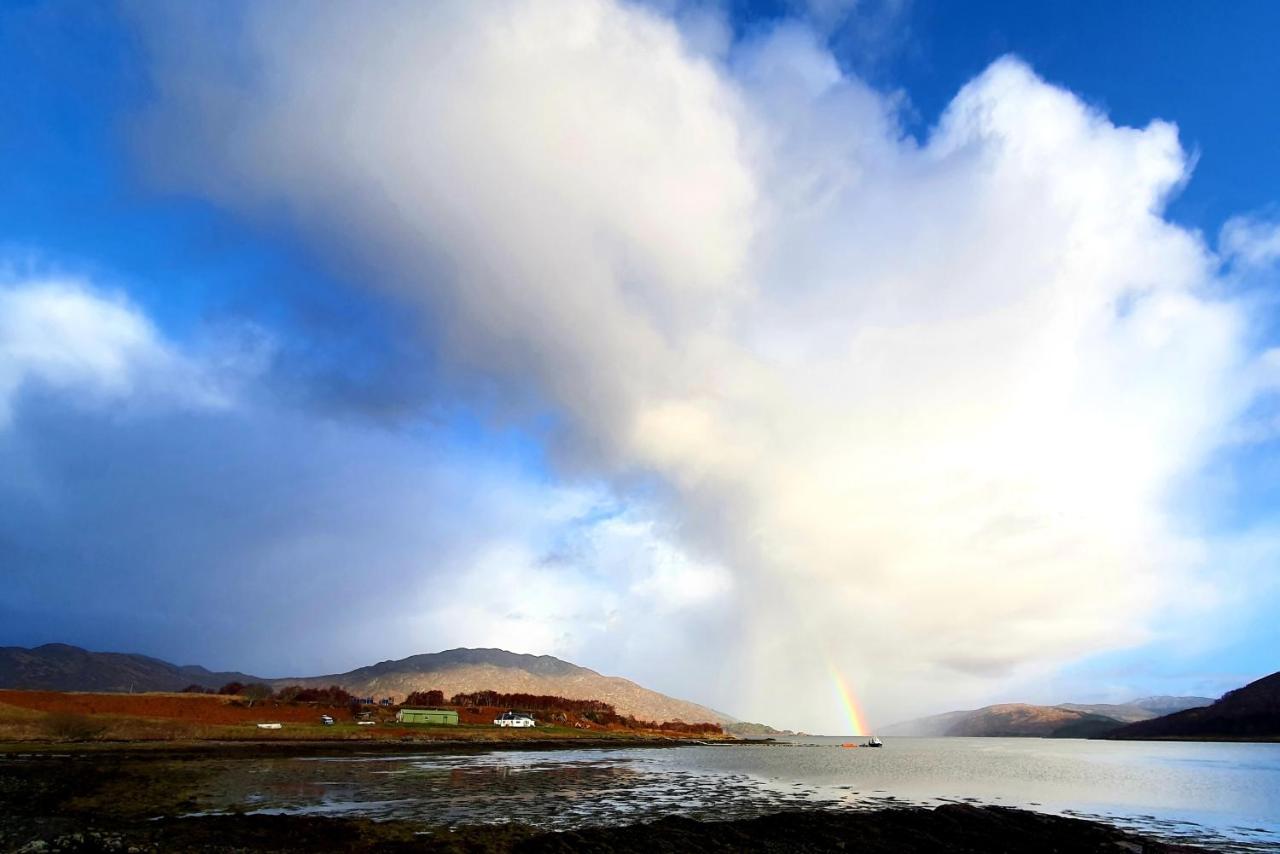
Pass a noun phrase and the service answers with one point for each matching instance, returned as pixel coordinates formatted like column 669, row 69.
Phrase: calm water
column 1223, row 796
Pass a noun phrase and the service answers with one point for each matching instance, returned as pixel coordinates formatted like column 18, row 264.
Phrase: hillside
column 1251, row 712
column 1009, row 719
column 746, row 729
column 1068, row 720
column 1142, row 709
column 461, row 670
column 60, row 667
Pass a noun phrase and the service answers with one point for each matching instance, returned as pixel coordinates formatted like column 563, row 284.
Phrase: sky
column 754, row 351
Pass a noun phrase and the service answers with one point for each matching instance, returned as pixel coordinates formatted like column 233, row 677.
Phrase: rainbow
column 856, row 719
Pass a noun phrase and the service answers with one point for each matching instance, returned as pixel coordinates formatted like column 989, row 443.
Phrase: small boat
column 873, row 742
column 268, row 726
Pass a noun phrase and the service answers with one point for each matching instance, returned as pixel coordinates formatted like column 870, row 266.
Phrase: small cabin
column 427, row 716
column 518, row 719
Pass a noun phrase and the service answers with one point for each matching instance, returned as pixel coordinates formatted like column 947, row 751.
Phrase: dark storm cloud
column 246, row 536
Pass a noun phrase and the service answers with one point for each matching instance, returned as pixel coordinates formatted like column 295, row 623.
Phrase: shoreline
column 245, row 748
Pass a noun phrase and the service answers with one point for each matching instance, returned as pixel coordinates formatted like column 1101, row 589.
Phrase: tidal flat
column 784, row 797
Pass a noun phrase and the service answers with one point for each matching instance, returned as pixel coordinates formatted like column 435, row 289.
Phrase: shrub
column 425, row 698
column 534, row 702
column 68, row 726
column 334, row 695
column 256, row 691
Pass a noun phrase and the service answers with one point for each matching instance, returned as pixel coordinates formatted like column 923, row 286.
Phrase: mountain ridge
column 1065, row 720
column 465, row 669
column 461, row 657
column 62, row 667
column 1249, row 712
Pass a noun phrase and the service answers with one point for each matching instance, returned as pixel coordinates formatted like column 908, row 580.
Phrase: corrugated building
column 427, row 716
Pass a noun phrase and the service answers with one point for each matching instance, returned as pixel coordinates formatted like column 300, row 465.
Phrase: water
column 1221, row 796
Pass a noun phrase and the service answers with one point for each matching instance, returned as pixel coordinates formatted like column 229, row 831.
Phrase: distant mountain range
column 1068, row 720
column 1251, row 712
column 60, row 667
column 1142, row 709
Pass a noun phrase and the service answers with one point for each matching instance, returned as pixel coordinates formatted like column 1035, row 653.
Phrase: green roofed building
column 427, row 716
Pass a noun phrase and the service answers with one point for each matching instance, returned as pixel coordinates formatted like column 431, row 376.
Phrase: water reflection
column 1222, row 796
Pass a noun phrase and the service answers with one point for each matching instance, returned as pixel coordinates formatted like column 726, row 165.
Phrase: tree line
column 288, row 694
column 560, row 709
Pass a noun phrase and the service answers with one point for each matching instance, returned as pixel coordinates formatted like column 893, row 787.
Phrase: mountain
column 61, row 667
column 746, row 729
column 931, row 726
column 1142, row 709
column 1164, row 705
column 1009, row 719
column 461, row 670
column 1068, row 720
column 1251, row 712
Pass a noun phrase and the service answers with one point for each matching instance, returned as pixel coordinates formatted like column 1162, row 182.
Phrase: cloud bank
column 915, row 407
column 170, row 499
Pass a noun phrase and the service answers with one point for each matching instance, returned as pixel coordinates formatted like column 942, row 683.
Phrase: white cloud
column 61, row 334
column 1251, row 241
column 927, row 402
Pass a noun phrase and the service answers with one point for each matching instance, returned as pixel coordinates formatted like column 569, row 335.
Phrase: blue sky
column 664, row 335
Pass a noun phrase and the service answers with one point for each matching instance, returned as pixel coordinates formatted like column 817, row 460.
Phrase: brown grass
column 193, row 708
column 70, row 717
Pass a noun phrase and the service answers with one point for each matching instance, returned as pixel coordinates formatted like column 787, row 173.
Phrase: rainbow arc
column 857, row 720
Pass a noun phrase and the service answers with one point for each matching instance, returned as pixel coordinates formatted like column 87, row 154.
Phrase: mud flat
column 954, row 828
column 111, row 801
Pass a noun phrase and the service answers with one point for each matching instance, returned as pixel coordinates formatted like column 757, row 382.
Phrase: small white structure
column 514, row 719
column 326, row 720
column 268, row 726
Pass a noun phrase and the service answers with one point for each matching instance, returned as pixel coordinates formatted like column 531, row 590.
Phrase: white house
column 514, row 719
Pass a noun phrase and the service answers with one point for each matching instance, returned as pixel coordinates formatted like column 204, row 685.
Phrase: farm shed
column 427, row 716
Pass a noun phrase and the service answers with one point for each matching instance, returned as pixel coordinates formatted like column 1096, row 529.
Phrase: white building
column 514, row 719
